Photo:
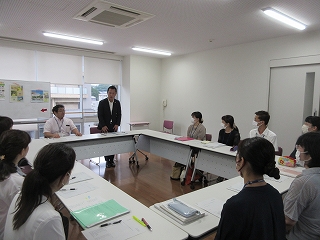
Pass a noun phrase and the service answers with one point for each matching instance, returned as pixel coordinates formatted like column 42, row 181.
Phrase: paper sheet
column 214, row 145
column 212, row 205
column 282, row 178
column 289, row 172
column 128, row 228
column 81, row 187
column 236, row 187
column 85, row 201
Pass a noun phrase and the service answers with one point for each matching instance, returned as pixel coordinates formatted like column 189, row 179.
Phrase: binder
column 90, row 216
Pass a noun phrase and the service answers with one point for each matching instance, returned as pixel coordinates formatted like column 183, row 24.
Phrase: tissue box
column 287, row 161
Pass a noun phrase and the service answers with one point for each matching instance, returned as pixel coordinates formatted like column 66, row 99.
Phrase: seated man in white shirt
column 59, row 126
column 261, row 121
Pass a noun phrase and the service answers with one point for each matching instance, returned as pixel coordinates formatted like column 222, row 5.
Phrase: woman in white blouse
column 13, row 147
column 31, row 214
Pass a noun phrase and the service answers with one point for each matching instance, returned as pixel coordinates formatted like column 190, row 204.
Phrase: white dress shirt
column 8, row 189
column 62, row 126
column 44, row 223
column 267, row 134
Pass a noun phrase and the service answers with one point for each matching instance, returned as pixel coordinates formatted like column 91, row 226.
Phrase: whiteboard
column 25, row 99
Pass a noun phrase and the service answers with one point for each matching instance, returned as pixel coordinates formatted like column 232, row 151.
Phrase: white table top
column 218, row 191
column 162, row 229
column 87, row 137
column 138, row 123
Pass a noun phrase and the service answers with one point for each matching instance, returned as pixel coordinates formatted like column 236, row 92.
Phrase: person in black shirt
column 256, row 212
column 229, row 134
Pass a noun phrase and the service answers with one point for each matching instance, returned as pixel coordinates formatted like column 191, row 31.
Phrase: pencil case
column 287, row 161
column 182, row 209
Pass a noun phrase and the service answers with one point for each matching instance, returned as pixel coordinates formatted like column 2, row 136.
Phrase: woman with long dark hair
column 31, row 214
column 256, row 212
column 13, row 147
column 229, row 134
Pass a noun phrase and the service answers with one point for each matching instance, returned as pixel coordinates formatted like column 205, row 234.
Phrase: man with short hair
column 261, row 129
column 109, row 115
column 59, row 126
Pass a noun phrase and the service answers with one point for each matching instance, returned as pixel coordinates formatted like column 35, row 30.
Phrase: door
column 294, row 95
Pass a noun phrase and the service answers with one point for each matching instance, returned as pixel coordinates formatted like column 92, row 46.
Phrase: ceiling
column 179, row 26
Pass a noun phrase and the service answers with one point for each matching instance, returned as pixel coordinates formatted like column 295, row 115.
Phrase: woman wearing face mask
column 256, row 212
column 229, row 134
column 196, row 130
column 311, row 124
column 32, row 215
column 14, row 145
column 302, row 202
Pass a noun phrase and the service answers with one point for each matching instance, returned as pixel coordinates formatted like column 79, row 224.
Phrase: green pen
column 139, row 221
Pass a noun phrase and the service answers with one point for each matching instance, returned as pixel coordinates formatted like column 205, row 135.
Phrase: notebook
column 90, row 216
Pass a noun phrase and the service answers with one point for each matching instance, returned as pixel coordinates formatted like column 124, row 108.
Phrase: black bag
column 176, row 171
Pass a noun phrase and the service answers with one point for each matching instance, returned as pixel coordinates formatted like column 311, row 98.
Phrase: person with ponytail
column 302, row 202
column 256, row 212
column 229, row 134
column 31, row 213
column 13, row 147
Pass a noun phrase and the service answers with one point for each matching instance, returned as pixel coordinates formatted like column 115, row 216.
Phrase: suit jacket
column 106, row 118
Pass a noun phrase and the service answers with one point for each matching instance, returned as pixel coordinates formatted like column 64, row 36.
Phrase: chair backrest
column 94, row 130
column 279, row 152
column 168, row 126
column 208, row 137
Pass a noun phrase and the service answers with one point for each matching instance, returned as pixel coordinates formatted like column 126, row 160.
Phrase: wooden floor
column 149, row 184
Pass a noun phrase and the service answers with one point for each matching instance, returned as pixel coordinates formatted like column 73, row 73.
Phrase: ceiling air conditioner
column 112, row 15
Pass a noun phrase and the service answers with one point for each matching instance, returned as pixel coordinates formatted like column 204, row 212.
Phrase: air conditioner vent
column 124, row 11
column 111, row 14
column 91, row 10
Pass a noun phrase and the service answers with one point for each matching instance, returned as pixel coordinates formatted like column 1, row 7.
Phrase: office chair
column 94, row 130
column 196, row 172
column 208, row 137
column 168, row 126
column 279, row 152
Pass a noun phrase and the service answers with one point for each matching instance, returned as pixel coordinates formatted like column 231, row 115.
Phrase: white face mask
column 304, row 128
column 223, row 126
column 192, row 120
column 255, row 124
column 299, row 161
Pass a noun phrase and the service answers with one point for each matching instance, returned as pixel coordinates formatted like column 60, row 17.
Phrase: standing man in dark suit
column 109, row 115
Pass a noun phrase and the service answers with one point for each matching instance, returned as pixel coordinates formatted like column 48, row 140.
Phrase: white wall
column 125, row 94
column 232, row 80
column 141, row 81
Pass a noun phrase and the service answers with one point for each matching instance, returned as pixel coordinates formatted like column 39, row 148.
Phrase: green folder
column 90, row 216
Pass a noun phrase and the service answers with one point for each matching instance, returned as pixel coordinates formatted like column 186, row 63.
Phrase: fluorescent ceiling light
column 151, row 51
column 54, row 35
column 284, row 18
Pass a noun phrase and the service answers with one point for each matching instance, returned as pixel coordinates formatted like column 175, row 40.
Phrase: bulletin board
column 25, row 99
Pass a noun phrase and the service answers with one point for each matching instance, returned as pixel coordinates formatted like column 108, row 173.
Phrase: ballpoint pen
column 107, row 224
column 146, row 223
column 64, row 189
column 139, row 221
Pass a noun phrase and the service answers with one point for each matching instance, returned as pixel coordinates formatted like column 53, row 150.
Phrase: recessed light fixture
column 151, row 51
column 55, row 35
column 284, row 18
